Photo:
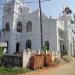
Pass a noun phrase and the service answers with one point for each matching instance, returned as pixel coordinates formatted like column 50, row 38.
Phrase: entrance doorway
column 28, row 44
column 17, row 47
column 63, row 49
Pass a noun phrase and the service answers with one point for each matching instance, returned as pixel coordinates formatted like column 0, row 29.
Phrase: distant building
column 21, row 29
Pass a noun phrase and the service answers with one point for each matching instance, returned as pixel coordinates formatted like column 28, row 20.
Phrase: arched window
column 47, row 44
column 28, row 44
column 19, row 26
column 7, row 27
column 29, row 26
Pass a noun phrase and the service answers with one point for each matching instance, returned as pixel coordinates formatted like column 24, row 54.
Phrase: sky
column 50, row 8
column 54, row 7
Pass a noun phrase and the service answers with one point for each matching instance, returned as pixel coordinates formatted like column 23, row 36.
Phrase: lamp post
column 41, row 24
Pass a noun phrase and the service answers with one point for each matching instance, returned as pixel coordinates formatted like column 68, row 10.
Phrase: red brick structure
column 39, row 61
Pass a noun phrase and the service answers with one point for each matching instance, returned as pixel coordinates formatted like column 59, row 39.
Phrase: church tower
column 67, row 17
column 12, row 25
column 68, row 26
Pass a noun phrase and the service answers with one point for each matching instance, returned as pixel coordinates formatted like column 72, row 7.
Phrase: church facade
column 21, row 29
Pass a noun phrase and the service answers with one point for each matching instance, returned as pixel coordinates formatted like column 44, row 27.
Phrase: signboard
column 3, row 44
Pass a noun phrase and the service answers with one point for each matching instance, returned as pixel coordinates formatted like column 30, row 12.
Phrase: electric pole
column 41, row 24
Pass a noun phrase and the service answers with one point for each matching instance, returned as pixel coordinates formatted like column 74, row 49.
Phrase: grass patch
column 13, row 71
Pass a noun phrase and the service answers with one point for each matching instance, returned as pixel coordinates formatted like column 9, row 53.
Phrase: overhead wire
column 27, row 2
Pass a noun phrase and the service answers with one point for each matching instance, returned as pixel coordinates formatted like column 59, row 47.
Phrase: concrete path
column 67, row 69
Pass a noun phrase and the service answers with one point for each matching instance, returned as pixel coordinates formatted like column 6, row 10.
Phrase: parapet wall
column 23, row 60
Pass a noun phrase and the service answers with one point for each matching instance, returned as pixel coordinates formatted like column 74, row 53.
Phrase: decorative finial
column 65, row 5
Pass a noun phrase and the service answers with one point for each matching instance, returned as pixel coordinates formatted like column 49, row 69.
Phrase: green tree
column 45, row 47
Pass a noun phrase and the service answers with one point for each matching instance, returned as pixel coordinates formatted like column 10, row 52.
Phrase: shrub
column 67, row 59
column 59, row 61
column 45, row 48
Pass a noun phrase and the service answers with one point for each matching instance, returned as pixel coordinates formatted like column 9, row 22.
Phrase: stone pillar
column 26, row 58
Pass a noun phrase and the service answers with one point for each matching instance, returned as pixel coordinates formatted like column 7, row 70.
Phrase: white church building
column 21, row 29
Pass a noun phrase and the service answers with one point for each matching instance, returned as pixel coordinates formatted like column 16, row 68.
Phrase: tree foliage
column 45, row 47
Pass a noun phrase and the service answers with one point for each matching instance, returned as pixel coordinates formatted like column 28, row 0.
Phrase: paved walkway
column 67, row 69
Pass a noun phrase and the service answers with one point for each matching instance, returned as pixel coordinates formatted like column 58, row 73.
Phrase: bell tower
column 68, row 26
column 67, row 17
column 12, row 10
